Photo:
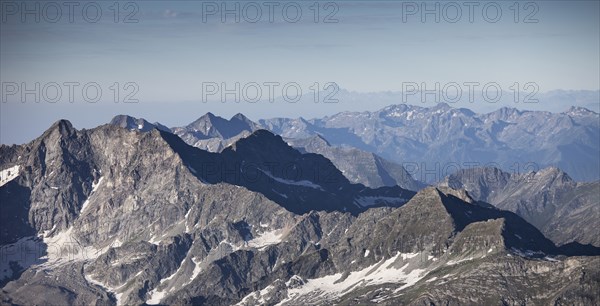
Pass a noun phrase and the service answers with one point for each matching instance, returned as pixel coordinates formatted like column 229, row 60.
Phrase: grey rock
column 564, row 210
column 359, row 166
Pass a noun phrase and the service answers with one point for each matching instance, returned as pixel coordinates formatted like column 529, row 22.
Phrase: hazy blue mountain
column 433, row 142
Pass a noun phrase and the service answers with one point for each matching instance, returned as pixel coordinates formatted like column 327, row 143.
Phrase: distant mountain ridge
column 430, row 141
column 441, row 137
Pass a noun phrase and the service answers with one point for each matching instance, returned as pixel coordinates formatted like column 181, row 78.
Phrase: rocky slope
column 564, row 210
column 263, row 162
column 359, row 166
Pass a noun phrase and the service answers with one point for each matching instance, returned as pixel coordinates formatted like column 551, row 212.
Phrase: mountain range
column 126, row 213
column 431, row 143
column 438, row 140
column 214, row 134
column 548, row 198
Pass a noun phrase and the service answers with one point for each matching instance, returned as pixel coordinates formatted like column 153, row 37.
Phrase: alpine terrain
column 133, row 213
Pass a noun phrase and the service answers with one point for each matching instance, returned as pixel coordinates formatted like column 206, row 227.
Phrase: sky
column 170, row 61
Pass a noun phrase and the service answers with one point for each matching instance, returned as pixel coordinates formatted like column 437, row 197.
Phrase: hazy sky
column 177, row 47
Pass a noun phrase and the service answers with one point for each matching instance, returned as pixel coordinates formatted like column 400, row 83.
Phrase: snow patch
column 197, row 269
column 9, row 174
column 87, row 201
column 406, row 256
column 527, row 253
column 431, row 279
column 329, row 287
column 283, row 195
column 118, row 296
column 187, row 227
column 265, row 239
column 95, row 185
column 303, row 183
column 155, row 240
column 454, row 262
column 156, row 295
column 64, row 247
column 257, row 295
column 47, row 232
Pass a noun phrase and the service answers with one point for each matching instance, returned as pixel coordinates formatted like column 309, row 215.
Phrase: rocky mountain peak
column 579, row 111
column 140, row 124
column 262, row 140
column 478, row 181
column 459, row 193
column 397, row 108
column 240, row 117
column 431, row 196
column 63, row 127
column 122, row 120
column 554, row 174
column 357, row 165
column 212, row 126
column 203, row 120
column 131, row 123
column 505, row 114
